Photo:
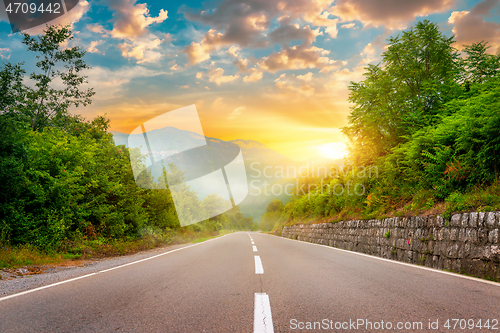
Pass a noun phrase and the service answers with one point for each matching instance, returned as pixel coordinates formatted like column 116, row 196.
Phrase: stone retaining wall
column 467, row 243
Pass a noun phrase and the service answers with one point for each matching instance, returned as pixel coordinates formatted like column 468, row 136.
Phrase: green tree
column 479, row 66
column 403, row 94
column 43, row 103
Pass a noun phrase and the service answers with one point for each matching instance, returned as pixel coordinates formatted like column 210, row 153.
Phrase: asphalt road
column 229, row 284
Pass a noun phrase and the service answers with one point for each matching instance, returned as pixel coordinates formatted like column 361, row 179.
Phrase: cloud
column 306, row 77
column 92, row 48
column 299, row 57
column 132, row 20
column 392, row 14
column 184, row 87
column 97, row 28
column 242, row 65
column 197, row 52
column 175, row 67
column 235, row 23
column 291, row 85
column 255, row 75
column 470, row 27
column 108, row 83
column 246, row 23
column 349, row 26
column 289, row 32
column 217, row 76
column 233, row 51
column 130, row 25
column 143, row 50
column 368, row 54
column 3, row 52
column 236, row 112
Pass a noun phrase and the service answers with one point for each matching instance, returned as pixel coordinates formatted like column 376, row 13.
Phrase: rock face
column 467, row 243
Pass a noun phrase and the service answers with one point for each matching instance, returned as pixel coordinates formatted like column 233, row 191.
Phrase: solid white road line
column 258, row 265
column 262, row 320
column 103, row 271
column 435, row 270
column 254, row 248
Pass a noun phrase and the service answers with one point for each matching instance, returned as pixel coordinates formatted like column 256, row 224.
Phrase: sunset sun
column 333, row 150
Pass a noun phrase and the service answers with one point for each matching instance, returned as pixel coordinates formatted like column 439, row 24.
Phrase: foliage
column 42, row 103
column 64, row 184
column 428, row 122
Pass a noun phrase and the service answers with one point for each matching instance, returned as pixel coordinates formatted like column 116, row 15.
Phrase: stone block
column 473, row 219
column 462, row 235
column 465, row 220
column 480, row 219
column 490, row 219
column 454, row 234
column 493, row 236
column 440, row 221
column 455, row 220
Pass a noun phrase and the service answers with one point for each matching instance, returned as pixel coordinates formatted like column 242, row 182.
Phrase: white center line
column 254, row 248
column 258, row 265
column 253, row 242
column 262, row 320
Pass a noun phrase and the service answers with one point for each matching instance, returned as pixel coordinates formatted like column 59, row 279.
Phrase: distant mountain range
column 265, row 167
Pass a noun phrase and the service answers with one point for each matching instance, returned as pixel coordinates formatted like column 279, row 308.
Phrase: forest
column 65, row 187
column 427, row 119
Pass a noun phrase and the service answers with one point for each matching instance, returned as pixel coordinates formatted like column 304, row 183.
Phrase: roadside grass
column 12, row 257
column 26, row 255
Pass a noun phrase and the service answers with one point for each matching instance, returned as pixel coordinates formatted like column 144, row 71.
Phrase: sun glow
column 333, row 150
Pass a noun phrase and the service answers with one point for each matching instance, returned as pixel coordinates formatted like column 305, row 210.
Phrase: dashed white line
column 253, row 242
column 262, row 320
column 254, row 248
column 258, row 265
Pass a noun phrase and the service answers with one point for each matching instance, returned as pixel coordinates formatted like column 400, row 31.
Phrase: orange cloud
column 92, row 48
column 143, row 50
column 470, row 26
column 217, row 76
column 131, row 20
column 255, row 75
column 393, row 14
column 299, row 57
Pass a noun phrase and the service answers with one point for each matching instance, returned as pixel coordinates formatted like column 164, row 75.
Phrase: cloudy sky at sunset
column 275, row 71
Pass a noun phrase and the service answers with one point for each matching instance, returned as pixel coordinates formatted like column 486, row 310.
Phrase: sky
column 273, row 71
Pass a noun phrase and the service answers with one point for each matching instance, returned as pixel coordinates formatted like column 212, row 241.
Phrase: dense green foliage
column 424, row 130
column 63, row 179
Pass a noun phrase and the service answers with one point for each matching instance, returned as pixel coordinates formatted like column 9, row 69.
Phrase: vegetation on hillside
column 423, row 134
column 64, row 184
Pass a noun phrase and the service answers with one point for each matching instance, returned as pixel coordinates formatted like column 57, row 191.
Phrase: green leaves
column 429, row 120
column 403, row 94
column 39, row 103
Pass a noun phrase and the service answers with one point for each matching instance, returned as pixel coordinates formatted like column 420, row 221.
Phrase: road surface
column 252, row 282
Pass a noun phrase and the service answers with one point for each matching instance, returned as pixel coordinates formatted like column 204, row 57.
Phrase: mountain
column 270, row 174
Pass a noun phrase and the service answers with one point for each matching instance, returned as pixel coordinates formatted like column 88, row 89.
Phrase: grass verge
column 12, row 257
